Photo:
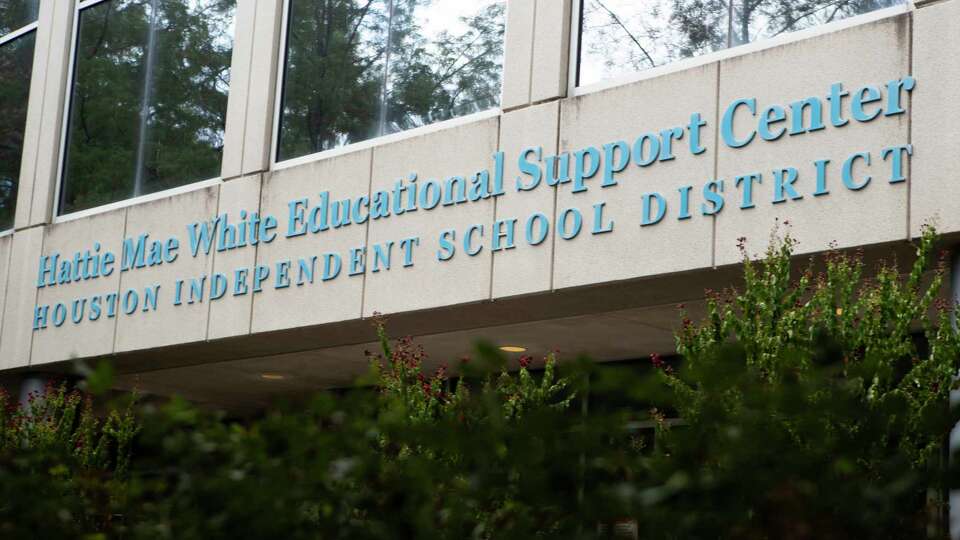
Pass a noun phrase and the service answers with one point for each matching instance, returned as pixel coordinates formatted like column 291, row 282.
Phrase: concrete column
column 536, row 52
column 518, row 53
column 551, row 50
column 16, row 340
column 48, row 93
column 253, row 76
column 236, row 125
column 935, row 31
column 935, row 105
column 6, row 245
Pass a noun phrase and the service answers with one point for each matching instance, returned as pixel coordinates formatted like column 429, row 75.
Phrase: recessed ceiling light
column 512, row 348
column 272, row 376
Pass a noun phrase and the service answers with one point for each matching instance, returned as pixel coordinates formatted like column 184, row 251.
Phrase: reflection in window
column 343, row 84
column 17, row 40
column 624, row 36
column 15, row 14
column 149, row 98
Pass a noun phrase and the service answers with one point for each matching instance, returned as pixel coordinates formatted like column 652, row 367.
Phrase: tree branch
column 633, row 38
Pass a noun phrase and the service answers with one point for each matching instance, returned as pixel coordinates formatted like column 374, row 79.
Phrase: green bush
column 869, row 326
column 63, row 468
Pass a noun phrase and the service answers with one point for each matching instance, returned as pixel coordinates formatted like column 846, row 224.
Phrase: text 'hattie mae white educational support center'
column 217, row 195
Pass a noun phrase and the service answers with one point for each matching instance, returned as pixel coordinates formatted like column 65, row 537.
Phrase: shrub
column 62, row 467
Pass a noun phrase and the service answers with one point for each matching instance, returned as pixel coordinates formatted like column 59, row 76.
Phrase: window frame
column 576, row 34
column 19, row 32
column 280, row 83
column 366, row 144
column 65, row 129
column 10, row 37
column 574, row 89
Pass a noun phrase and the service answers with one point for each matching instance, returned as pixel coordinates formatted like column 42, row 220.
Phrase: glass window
column 343, row 83
column 16, row 14
column 17, row 39
column 149, row 98
column 618, row 37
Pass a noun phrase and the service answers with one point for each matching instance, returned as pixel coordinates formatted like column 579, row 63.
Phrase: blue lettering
column 848, row 171
column 783, row 180
column 648, row 217
column 529, row 168
column 726, row 125
column 447, row 247
column 712, row 194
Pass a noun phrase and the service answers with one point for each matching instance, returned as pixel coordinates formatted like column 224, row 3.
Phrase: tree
column 454, row 75
column 801, row 395
column 149, row 98
column 343, row 83
column 752, row 20
column 333, row 72
column 63, row 465
column 620, row 35
column 16, row 14
column 16, row 67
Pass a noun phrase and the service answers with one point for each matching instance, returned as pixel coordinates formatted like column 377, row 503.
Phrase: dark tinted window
column 343, row 83
column 15, row 14
column 149, row 98
column 16, row 66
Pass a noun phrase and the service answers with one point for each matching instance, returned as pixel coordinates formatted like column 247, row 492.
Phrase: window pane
column 333, row 74
column 618, row 37
column 15, row 14
column 149, row 98
column 446, row 61
column 342, row 84
column 16, row 66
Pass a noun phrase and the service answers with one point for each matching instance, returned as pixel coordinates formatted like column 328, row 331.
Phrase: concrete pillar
column 536, row 52
column 935, row 23
column 48, row 94
column 551, row 51
column 253, row 83
column 16, row 339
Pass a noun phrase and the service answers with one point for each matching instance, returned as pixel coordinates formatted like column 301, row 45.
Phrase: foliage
column 457, row 73
column 63, row 465
column 398, row 372
column 149, row 100
column 16, row 65
column 356, row 70
column 758, row 19
column 826, row 376
column 782, row 326
column 424, row 401
column 64, row 421
column 806, row 457
column 623, row 35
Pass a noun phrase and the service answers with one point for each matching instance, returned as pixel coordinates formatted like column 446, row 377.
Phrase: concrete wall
column 552, row 273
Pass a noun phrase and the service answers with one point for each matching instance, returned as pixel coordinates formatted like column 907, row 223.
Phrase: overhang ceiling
column 240, row 386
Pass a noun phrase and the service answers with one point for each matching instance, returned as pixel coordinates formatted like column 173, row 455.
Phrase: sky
column 445, row 15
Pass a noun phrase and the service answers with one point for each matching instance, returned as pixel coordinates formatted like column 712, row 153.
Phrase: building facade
column 217, row 195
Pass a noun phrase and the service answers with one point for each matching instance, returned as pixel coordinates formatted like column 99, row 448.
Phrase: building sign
column 589, row 168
